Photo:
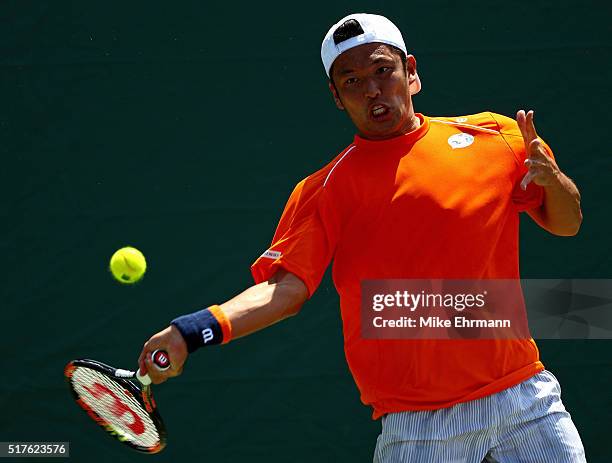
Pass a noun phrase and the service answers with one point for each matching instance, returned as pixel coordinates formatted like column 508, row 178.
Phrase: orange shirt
column 440, row 202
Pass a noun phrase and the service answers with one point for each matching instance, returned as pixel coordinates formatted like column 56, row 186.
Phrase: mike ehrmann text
column 437, row 322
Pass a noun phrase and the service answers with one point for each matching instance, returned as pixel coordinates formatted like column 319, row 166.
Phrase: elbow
column 291, row 293
column 575, row 227
column 293, row 311
column 569, row 229
column 574, row 231
column 296, row 305
column 565, row 232
column 300, row 297
column 578, row 217
column 297, row 297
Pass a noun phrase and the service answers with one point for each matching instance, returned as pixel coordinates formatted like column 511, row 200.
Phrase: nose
column 372, row 90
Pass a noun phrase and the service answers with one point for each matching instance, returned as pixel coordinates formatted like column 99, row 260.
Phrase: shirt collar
column 405, row 140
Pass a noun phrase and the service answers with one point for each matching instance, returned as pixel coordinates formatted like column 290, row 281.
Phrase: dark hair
column 347, row 30
column 352, row 28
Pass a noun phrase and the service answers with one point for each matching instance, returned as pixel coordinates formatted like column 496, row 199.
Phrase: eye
column 383, row 69
column 350, row 81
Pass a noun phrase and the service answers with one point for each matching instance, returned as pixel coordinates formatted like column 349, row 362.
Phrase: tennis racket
column 123, row 407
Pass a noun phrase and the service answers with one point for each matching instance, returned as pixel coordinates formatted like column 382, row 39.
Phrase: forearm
column 560, row 213
column 257, row 307
column 264, row 304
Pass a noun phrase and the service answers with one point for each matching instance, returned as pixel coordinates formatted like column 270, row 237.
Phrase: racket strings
column 117, row 408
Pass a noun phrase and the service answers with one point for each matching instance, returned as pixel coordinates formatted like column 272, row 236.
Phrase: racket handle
column 144, row 379
column 161, row 360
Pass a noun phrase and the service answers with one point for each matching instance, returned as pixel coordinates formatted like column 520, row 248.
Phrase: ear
column 332, row 88
column 411, row 68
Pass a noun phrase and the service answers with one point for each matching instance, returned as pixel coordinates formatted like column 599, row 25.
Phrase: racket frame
column 142, row 394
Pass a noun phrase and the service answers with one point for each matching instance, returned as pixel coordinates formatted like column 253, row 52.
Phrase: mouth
column 379, row 112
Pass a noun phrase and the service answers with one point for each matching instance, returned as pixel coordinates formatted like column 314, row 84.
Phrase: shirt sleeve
column 533, row 196
column 304, row 241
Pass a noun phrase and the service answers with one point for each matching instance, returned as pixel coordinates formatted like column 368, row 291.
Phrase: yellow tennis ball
column 128, row 265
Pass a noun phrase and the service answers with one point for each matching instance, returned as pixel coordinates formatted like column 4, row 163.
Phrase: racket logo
column 117, row 407
column 160, row 358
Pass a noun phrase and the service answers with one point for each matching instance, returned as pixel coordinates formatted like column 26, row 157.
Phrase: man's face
column 372, row 85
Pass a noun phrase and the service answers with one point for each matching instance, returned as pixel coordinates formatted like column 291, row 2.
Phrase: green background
column 181, row 128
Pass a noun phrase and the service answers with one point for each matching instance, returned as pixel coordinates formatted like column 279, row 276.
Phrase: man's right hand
column 255, row 308
column 173, row 343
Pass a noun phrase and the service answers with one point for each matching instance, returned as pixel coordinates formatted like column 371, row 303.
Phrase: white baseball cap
column 376, row 28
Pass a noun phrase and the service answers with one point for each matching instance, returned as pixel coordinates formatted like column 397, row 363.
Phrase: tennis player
column 412, row 197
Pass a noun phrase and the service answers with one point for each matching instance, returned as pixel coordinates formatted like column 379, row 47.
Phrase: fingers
column 530, row 126
column 141, row 363
column 171, row 341
column 537, row 152
column 157, row 376
column 527, row 127
column 529, row 176
column 535, row 165
column 537, row 169
column 542, row 169
column 141, row 360
column 521, row 120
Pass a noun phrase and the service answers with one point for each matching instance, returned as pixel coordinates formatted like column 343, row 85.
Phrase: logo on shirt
column 272, row 254
column 460, row 140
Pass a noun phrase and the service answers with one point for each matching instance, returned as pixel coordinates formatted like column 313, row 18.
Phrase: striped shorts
column 524, row 423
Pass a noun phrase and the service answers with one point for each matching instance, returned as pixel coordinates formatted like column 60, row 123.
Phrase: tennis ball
column 128, row 265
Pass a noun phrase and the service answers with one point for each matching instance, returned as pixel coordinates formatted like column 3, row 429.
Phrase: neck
column 412, row 124
column 415, row 123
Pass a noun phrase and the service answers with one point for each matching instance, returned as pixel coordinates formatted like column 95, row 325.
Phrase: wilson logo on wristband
column 207, row 335
column 205, row 327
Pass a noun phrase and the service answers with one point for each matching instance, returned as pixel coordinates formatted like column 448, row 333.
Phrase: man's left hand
column 542, row 169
